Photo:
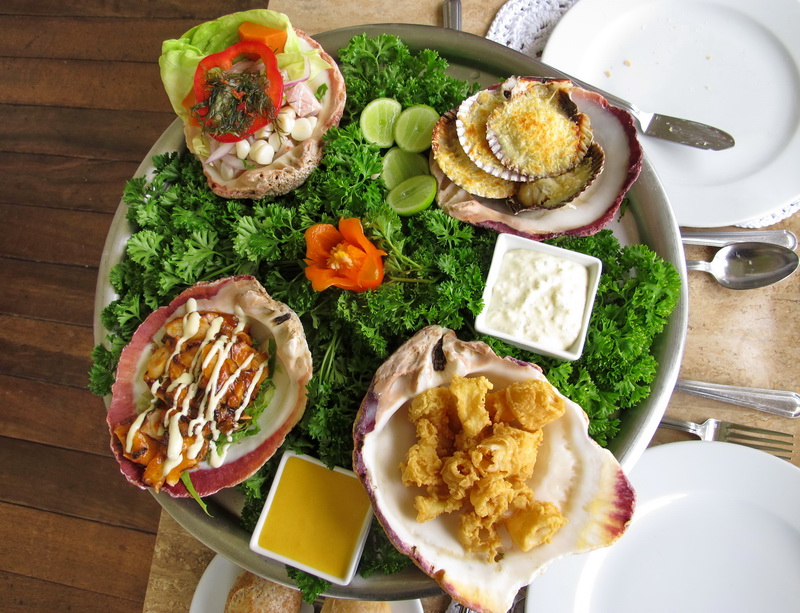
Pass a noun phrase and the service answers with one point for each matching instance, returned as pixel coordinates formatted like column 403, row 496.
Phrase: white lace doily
column 525, row 25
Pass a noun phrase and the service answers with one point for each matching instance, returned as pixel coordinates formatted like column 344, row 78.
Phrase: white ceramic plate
column 220, row 575
column 716, row 528
column 733, row 64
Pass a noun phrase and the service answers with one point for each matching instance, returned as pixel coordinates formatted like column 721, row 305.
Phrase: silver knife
column 784, row 238
column 774, row 402
column 683, row 131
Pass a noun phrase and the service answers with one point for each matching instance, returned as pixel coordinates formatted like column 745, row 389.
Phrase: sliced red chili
column 230, row 105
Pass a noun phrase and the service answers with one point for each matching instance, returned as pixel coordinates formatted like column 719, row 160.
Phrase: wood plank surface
column 23, row 594
column 63, row 181
column 82, row 104
column 44, row 234
column 29, row 288
column 75, row 552
column 81, row 133
column 67, row 417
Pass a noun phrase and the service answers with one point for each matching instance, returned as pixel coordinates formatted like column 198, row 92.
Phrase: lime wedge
column 399, row 165
column 378, row 119
column 413, row 195
column 414, row 127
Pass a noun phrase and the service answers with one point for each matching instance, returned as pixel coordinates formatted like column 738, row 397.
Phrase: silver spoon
column 749, row 265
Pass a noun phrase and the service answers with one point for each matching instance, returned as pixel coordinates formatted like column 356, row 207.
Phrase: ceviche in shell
column 481, row 471
column 208, row 388
column 255, row 96
column 536, row 157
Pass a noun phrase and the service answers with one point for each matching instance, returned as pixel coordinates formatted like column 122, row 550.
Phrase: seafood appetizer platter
column 304, row 291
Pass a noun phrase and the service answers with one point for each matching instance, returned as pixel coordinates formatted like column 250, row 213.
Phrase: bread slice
column 339, row 605
column 253, row 594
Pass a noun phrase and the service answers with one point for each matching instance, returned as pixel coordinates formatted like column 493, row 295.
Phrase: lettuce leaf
column 180, row 57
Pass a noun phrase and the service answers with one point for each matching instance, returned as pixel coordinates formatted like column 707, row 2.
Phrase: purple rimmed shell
column 574, row 472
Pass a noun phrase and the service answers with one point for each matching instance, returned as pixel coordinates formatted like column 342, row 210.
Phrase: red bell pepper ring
column 251, row 110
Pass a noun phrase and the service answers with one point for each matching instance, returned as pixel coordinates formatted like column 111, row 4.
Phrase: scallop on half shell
column 579, row 201
column 572, row 471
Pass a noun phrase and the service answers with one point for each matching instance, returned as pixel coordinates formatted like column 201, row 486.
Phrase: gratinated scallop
column 208, row 388
column 480, row 470
column 569, row 155
column 472, row 115
column 452, row 157
column 539, row 131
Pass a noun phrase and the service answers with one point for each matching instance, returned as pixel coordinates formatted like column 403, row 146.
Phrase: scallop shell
column 582, row 478
column 539, row 131
column 454, row 162
column 614, row 130
column 554, row 192
column 471, row 127
column 270, row 321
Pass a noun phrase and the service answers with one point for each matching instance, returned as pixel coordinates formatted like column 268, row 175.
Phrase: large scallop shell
column 575, row 473
column 270, row 320
column 613, row 129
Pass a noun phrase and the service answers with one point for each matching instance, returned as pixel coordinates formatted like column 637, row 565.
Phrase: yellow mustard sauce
column 316, row 517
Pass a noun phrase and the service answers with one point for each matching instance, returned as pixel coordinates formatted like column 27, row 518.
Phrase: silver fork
column 779, row 444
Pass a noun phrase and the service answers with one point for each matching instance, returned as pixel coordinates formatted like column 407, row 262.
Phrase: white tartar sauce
column 539, row 298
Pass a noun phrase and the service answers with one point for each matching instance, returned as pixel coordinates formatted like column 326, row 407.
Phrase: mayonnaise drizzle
column 186, row 384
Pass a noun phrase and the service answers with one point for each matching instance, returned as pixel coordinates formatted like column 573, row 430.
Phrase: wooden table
column 82, row 103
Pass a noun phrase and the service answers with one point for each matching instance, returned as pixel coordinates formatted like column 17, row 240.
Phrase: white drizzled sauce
column 539, row 297
column 186, row 385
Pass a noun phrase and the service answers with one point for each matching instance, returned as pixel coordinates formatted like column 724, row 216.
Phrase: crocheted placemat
column 525, row 25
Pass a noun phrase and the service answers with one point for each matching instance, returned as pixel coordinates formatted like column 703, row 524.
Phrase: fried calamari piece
column 533, row 403
column 508, row 452
column 534, row 525
column 459, row 473
column 470, row 395
column 423, row 464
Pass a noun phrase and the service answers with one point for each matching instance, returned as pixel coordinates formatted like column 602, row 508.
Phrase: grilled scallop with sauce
column 208, row 388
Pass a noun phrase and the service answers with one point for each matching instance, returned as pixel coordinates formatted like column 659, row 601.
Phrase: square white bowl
column 594, row 267
column 313, row 533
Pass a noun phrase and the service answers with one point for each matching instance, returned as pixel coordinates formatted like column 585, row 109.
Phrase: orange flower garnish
column 342, row 257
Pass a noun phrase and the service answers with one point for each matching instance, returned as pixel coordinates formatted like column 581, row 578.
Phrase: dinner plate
column 220, row 575
column 716, row 528
column 648, row 219
column 733, row 64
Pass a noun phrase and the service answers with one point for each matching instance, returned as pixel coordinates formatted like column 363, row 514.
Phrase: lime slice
column 413, row 195
column 378, row 119
column 413, row 129
column 399, row 165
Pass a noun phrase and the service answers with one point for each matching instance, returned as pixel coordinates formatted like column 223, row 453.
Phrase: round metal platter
column 648, row 220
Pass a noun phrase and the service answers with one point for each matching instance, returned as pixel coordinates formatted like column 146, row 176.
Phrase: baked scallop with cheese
column 578, row 165
column 446, row 149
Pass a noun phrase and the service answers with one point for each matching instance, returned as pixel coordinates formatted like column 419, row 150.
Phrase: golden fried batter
column 475, row 451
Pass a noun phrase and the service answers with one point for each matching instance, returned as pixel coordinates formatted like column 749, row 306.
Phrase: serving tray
column 648, row 219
